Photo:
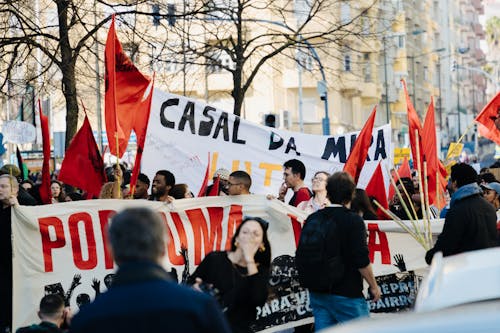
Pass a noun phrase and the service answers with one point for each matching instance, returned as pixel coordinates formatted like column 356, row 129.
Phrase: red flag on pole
column 126, row 102
column 430, row 151
column 357, row 157
column 489, row 120
column 404, row 169
column 44, row 190
column 83, row 166
column 413, row 125
column 376, row 189
column 214, row 191
column 141, row 139
column 203, row 188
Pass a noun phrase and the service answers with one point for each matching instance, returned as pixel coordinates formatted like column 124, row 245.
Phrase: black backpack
column 318, row 259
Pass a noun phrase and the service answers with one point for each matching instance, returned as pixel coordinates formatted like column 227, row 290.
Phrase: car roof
column 459, row 279
column 482, row 317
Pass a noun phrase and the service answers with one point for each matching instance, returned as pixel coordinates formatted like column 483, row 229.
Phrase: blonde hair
column 106, row 191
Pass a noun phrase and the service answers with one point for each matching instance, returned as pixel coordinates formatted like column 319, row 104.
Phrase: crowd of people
column 236, row 279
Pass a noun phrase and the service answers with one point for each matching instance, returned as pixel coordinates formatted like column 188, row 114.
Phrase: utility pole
column 386, row 84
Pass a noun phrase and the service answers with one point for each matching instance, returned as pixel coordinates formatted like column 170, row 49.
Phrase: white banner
column 182, row 132
column 60, row 249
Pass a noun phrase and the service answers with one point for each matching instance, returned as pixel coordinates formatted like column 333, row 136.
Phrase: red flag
column 376, row 189
column 404, row 169
column 429, row 153
column 44, row 190
column 414, row 125
column 357, row 157
column 214, row 191
column 489, row 120
column 141, row 138
column 83, row 166
column 203, row 188
column 126, row 106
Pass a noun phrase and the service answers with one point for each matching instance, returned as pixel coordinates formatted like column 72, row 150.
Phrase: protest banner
column 61, row 249
column 18, row 132
column 182, row 131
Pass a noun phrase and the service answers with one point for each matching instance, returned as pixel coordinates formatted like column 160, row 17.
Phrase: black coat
column 470, row 224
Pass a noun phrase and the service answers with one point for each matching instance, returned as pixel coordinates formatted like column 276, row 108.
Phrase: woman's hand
column 249, row 250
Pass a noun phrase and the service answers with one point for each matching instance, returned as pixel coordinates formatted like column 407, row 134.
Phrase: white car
column 463, row 278
column 460, row 294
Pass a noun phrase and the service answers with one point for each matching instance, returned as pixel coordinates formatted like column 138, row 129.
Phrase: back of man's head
column 463, row 174
column 340, row 188
column 145, row 179
column 51, row 307
column 297, row 167
column 137, row 234
column 242, row 177
column 169, row 177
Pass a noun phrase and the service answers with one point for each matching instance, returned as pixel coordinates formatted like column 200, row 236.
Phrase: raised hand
column 96, row 285
column 400, row 263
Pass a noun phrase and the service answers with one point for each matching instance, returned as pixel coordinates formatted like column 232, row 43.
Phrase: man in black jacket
column 141, row 297
column 470, row 223
column 344, row 300
column 53, row 314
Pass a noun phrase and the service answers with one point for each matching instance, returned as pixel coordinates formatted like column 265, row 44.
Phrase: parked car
column 463, row 278
column 461, row 293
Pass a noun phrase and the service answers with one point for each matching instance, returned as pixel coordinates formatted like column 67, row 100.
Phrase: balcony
column 350, row 84
column 478, row 6
column 371, row 91
column 220, row 82
column 478, row 30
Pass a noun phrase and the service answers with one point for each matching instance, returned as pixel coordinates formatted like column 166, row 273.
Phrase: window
column 367, row 68
column 365, row 26
column 347, row 63
column 218, row 61
column 345, row 12
column 426, row 73
column 401, row 41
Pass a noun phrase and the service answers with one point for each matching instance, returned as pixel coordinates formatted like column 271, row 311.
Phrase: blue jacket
column 141, row 299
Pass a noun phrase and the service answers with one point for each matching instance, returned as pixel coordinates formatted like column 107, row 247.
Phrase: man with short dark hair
column 53, row 315
column 294, row 173
column 163, row 181
column 239, row 183
column 470, row 223
column 141, row 298
column 344, row 300
column 142, row 187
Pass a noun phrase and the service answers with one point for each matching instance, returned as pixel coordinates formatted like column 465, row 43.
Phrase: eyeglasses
column 231, row 184
column 317, row 179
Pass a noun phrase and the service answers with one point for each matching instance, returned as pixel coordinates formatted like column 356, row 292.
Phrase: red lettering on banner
column 235, row 217
column 104, row 217
column 383, row 246
column 216, row 214
column 174, row 257
column 297, row 228
column 73, row 222
column 47, row 244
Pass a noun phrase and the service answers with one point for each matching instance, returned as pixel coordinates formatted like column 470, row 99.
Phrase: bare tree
column 250, row 33
column 56, row 52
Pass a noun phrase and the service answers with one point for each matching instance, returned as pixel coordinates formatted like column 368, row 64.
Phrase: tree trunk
column 69, row 89
column 67, row 67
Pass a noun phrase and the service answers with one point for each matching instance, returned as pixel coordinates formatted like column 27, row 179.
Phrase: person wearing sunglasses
column 238, row 278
